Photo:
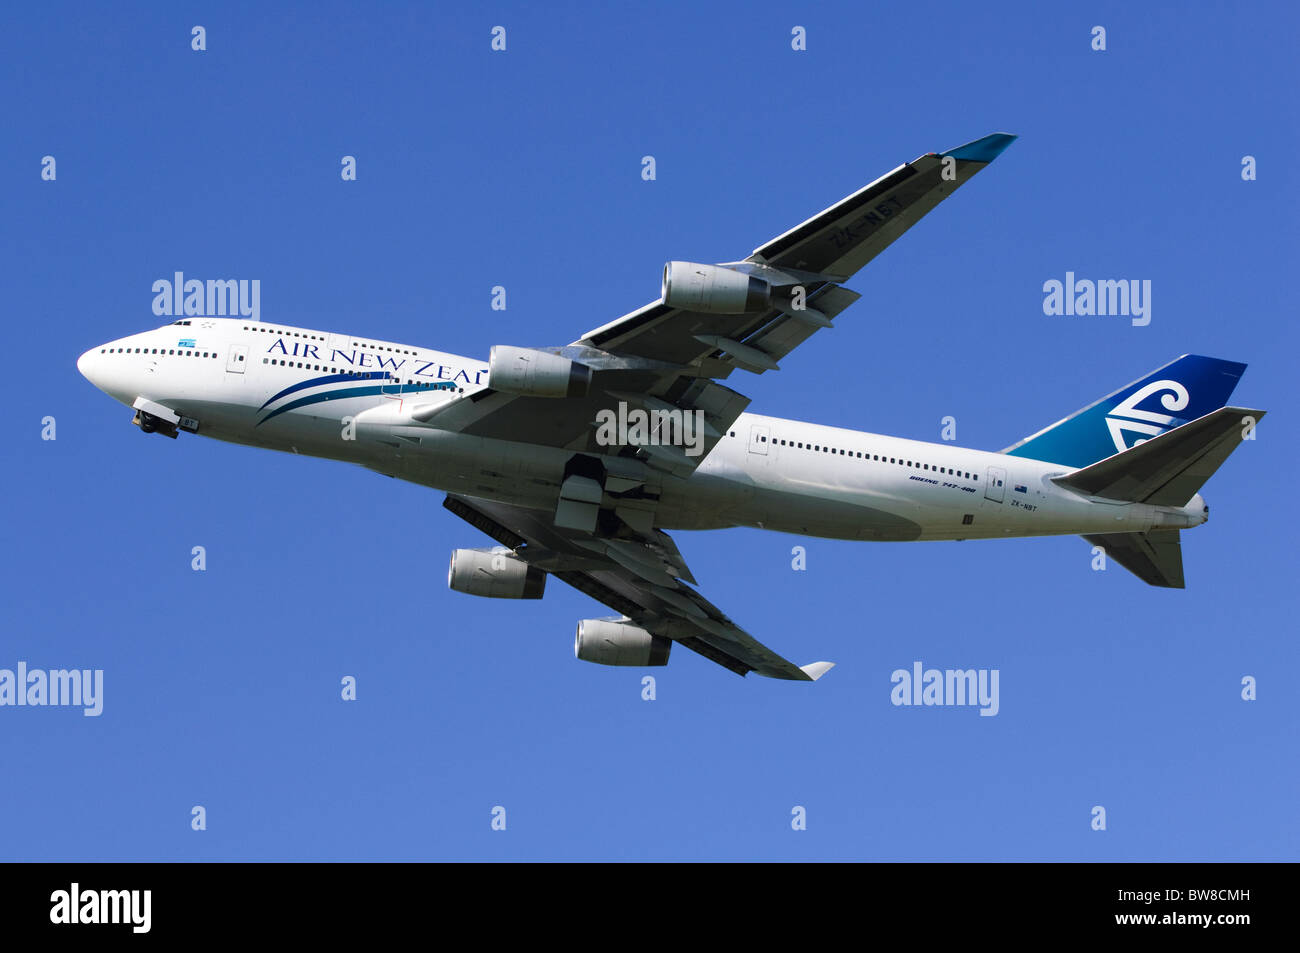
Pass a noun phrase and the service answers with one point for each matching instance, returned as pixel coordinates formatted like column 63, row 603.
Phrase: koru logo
column 1127, row 417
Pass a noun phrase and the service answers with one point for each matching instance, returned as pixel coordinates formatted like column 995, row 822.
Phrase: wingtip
column 983, row 150
column 816, row 670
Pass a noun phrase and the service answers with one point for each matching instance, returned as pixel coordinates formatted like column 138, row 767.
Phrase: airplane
column 578, row 460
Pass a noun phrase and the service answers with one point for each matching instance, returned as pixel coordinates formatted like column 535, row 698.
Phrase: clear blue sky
column 522, row 169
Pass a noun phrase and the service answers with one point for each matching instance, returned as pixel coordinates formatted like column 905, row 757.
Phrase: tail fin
column 1169, row 469
column 1168, row 397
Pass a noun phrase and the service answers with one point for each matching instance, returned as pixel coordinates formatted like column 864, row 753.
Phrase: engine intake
column 532, row 373
column 712, row 289
column 496, row 573
column 617, row 642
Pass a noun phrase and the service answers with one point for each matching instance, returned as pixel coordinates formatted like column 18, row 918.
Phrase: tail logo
column 1126, row 417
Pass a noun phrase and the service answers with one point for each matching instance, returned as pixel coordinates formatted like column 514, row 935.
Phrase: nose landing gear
column 150, row 424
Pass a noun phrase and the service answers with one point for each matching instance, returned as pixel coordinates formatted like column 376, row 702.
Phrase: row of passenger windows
column 178, row 352
column 316, row 337
column 915, row 464
column 287, row 333
column 365, row 375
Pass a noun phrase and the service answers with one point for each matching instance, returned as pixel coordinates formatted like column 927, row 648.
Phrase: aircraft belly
column 521, row 474
column 864, row 518
column 711, row 500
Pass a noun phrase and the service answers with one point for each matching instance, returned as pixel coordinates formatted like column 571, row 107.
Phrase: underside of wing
column 641, row 576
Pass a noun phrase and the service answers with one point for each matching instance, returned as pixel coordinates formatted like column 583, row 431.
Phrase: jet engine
column 496, row 573
column 532, row 373
column 712, row 289
column 617, row 642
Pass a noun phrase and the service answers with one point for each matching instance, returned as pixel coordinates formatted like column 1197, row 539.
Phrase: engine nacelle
column 532, row 373
column 712, row 289
column 618, row 642
column 496, row 573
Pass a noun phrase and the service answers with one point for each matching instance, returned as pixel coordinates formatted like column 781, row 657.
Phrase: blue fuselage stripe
column 312, row 382
column 328, row 395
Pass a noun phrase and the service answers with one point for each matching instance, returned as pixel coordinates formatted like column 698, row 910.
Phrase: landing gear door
column 996, row 486
column 758, row 436
column 237, row 359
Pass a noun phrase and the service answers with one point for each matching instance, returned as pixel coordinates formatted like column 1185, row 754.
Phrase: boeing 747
column 578, row 460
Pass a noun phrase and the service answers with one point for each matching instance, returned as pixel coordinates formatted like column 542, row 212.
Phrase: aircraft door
column 758, row 439
column 237, row 359
column 996, row 486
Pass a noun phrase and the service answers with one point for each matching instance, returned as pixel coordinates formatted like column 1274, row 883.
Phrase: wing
column 826, row 249
column 666, row 358
column 639, row 576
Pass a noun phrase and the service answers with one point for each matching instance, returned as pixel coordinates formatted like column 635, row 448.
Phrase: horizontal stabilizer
column 1155, row 558
column 1167, row 470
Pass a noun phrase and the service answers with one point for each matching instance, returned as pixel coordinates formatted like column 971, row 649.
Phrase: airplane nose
column 85, row 364
column 109, row 372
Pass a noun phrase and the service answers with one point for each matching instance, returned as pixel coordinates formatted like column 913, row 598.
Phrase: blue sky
column 522, row 169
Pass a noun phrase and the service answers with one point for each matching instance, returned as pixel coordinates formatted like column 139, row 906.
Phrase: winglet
column 983, row 150
column 816, row 670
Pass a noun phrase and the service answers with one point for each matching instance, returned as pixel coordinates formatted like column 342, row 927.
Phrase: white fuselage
column 247, row 382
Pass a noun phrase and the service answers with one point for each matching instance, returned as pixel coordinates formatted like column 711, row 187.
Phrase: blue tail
column 1181, row 391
